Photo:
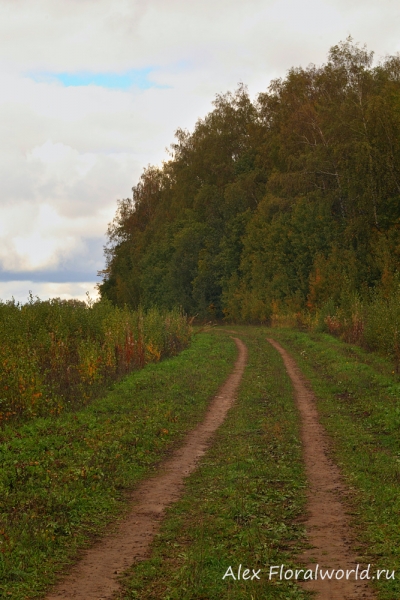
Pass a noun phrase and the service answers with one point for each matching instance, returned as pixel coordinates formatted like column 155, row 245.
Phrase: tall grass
column 373, row 323
column 57, row 354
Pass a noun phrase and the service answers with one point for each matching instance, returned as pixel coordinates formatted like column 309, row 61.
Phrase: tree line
column 286, row 203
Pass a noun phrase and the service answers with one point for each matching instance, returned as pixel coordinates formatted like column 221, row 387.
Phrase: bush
column 373, row 324
column 383, row 325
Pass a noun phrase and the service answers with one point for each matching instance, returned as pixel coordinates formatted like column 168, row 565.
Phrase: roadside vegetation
column 244, row 503
column 358, row 399
column 58, row 355
column 64, row 477
column 373, row 323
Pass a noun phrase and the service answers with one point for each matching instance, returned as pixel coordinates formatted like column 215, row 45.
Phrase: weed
column 57, row 355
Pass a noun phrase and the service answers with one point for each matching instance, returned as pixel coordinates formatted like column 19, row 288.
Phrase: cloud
column 105, row 36
column 21, row 289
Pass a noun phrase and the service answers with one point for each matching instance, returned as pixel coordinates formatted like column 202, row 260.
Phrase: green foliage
column 181, row 250
column 59, row 354
column 372, row 322
column 382, row 326
column 273, row 205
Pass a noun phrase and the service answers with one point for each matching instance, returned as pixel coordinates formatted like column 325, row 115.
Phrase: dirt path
column 95, row 576
column 327, row 524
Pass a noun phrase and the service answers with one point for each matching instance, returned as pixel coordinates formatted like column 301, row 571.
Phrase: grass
column 359, row 402
column 64, row 478
column 242, row 505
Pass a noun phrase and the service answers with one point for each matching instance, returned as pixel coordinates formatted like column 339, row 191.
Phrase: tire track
column 327, row 523
column 95, row 576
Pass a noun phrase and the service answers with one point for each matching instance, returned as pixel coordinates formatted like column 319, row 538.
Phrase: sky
column 92, row 92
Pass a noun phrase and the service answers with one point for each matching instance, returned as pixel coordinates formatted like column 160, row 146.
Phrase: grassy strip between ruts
column 359, row 403
column 241, row 506
column 63, row 479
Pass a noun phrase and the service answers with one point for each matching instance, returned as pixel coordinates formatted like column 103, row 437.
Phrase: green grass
column 63, row 479
column 242, row 505
column 359, row 403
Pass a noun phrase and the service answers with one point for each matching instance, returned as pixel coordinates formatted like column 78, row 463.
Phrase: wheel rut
column 95, row 577
column 327, row 524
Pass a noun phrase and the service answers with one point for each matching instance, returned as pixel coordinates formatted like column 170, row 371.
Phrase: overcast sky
column 92, row 91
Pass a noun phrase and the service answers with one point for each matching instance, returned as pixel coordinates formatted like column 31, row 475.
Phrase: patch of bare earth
column 327, row 524
column 95, row 576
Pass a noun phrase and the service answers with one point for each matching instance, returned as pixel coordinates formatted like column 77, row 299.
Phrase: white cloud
column 67, row 153
column 123, row 34
column 20, row 290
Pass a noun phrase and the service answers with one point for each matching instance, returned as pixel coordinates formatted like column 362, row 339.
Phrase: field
column 68, row 477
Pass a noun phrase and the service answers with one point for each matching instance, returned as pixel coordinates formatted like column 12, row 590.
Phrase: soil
column 95, row 577
column 327, row 523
